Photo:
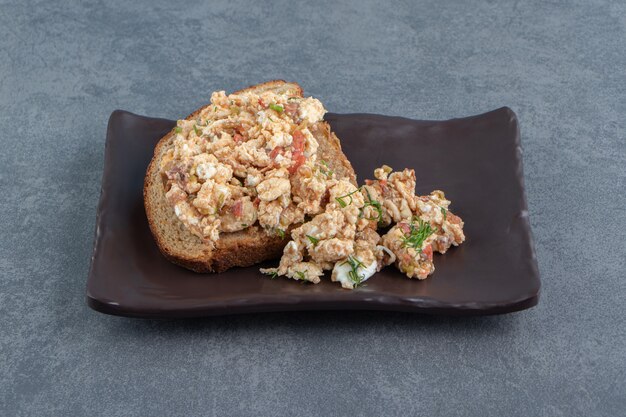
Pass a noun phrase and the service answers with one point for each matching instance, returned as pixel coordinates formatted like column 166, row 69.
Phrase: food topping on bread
column 247, row 157
column 339, row 239
column 344, row 237
column 411, row 242
column 233, row 180
column 396, row 192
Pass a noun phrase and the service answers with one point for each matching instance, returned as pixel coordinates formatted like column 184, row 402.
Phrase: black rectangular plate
column 475, row 160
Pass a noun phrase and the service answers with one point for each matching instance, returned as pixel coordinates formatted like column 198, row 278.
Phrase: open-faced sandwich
column 228, row 183
column 258, row 173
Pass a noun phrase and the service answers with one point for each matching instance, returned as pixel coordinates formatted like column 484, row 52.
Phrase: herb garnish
column 326, row 171
column 178, row 129
column 272, row 274
column 313, row 240
column 444, row 212
column 417, row 235
column 198, row 131
column 276, row 107
column 301, row 275
column 355, row 264
column 281, row 233
column 341, row 201
column 373, row 203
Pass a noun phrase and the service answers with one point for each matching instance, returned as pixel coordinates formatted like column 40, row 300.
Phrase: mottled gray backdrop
column 561, row 65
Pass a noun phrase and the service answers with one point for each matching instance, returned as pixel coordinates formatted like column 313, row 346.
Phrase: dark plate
column 475, row 160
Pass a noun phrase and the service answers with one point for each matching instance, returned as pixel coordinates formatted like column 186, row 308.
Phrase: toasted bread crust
column 243, row 248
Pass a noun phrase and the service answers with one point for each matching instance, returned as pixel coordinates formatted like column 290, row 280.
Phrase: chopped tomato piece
column 369, row 182
column 237, row 208
column 262, row 104
column 405, row 228
column 428, row 251
column 298, row 141
column 299, row 159
column 291, row 109
column 277, row 150
column 297, row 155
column 256, row 202
column 237, row 138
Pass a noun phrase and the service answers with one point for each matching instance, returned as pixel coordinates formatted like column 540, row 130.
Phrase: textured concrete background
column 559, row 65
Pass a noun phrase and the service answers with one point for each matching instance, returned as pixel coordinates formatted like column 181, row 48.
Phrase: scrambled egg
column 339, row 239
column 246, row 158
column 423, row 223
column 412, row 247
column 344, row 237
column 249, row 159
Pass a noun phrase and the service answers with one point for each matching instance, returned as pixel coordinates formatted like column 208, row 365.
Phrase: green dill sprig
column 301, row 275
column 198, row 131
column 417, row 235
column 372, row 203
column 341, row 200
column 281, row 233
column 355, row 264
column 326, row 169
column 272, row 274
column 444, row 212
column 178, row 129
column 313, row 240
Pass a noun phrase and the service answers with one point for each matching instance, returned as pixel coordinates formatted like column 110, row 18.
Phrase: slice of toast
column 243, row 248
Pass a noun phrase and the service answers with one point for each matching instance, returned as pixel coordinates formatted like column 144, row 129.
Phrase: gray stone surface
column 559, row 64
